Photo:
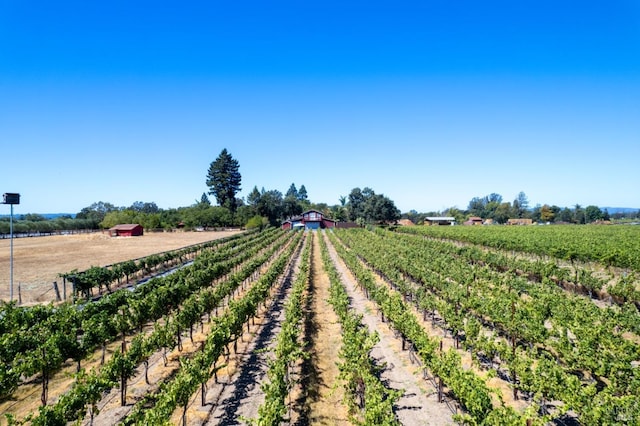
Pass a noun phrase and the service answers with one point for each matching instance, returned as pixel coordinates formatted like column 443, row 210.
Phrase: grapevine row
column 226, row 328
column 42, row 343
column 610, row 245
column 288, row 349
column 365, row 392
column 549, row 336
column 88, row 388
column 469, row 389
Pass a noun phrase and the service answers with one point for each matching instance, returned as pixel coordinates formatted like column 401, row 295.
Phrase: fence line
column 48, row 233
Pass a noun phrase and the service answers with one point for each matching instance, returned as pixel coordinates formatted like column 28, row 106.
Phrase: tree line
column 271, row 207
column 493, row 207
column 261, row 207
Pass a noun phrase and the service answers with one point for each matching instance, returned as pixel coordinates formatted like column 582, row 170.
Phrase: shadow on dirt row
column 310, row 379
column 253, row 369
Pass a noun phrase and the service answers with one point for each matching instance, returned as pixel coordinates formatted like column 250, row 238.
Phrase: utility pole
column 11, row 198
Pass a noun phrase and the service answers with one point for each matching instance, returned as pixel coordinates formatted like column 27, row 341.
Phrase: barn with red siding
column 127, row 230
column 311, row 219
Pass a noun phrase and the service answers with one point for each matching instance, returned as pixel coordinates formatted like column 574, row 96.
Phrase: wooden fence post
column 57, row 290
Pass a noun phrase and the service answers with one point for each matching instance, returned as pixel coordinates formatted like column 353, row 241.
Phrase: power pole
column 11, row 198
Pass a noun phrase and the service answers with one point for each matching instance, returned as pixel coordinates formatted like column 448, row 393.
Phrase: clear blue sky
column 430, row 103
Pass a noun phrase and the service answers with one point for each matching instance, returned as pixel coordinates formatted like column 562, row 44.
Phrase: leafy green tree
column 254, row 197
column 579, row 214
column 291, row 206
column 207, row 216
column 546, row 213
column 356, row 204
column 243, row 214
column 44, row 226
column 117, row 217
column 223, row 180
column 381, row 209
column 485, row 207
column 271, row 206
column 150, row 221
column 536, row 213
column 371, row 207
column 476, row 206
column 256, row 222
column 143, row 207
column 565, row 215
column 502, row 213
column 455, row 213
column 96, row 211
column 593, row 213
column 170, row 218
column 494, row 198
column 339, row 212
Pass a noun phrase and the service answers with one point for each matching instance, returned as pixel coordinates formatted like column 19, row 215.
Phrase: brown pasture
column 39, row 261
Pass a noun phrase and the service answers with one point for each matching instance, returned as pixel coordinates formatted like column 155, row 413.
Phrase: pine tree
column 223, row 180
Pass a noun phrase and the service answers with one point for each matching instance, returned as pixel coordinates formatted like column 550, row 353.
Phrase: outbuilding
column 126, row 230
column 439, row 220
column 474, row 220
column 519, row 221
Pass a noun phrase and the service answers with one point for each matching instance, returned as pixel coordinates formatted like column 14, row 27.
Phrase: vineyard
column 414, row 326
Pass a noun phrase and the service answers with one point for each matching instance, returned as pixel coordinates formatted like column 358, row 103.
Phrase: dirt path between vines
column 418, row 404
column 317, row 398
column 325, row 391
column 236, row 396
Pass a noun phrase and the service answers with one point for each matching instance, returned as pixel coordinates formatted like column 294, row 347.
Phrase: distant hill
column 623, row 210
column 55, row 215
column 48, row 216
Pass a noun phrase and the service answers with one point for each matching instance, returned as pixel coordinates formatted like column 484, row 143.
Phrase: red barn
column 312, row 219
column 126, row 230
column 473, row 220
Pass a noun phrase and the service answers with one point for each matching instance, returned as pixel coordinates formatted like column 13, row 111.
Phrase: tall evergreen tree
column 521, row 205
column 223, row 180
column 302, row 194
column 254, row 197
column 204, row 200
column 292, row 192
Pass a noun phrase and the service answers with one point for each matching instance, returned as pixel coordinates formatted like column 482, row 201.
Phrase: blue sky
column 431, row 103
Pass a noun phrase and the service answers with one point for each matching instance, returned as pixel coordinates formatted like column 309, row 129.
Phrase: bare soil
column 39, row 261
column 324, row 391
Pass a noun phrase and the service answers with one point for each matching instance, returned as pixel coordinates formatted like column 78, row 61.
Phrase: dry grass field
column 38, row 261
